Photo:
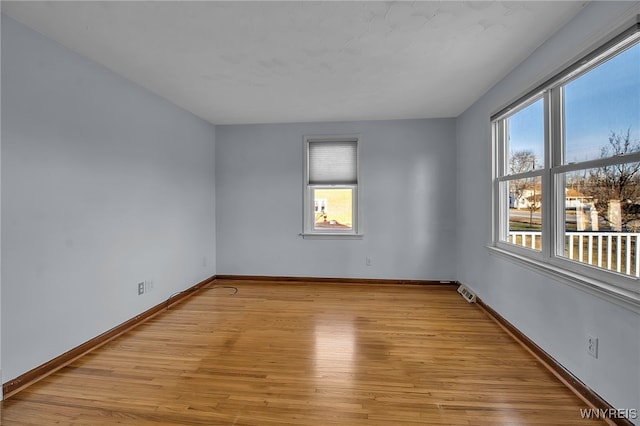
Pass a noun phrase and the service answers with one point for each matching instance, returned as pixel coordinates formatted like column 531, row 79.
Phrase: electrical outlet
column 140, row 288
column 148, row 286
column 367, row 261
column 592, row 346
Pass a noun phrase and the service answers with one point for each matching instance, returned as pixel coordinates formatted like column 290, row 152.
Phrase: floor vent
column 468, row 295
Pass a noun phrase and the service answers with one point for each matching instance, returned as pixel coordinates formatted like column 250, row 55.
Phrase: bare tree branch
column 619, row 182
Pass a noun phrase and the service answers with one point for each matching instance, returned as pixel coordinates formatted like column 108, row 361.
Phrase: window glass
column 524, row 214
column 601, row 106
column 602, row 217
column 525, row 139
column 333, row 209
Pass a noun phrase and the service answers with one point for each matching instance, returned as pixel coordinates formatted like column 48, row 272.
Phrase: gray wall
column 103, row 185
column 407, row 193
column 556, row 316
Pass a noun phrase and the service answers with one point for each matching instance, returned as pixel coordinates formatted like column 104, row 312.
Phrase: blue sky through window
column 604, row 100
column 526, row 132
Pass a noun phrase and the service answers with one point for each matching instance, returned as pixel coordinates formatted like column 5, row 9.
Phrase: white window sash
column 308, row 208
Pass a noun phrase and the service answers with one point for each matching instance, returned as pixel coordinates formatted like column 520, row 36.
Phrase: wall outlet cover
column 592, row 346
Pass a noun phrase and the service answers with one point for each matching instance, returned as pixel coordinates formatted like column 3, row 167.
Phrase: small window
column 331, row 186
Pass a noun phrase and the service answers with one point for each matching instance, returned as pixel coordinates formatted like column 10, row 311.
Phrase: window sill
column 619, row 296
column 331, row 236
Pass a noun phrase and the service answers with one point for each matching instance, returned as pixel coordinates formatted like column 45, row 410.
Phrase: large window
column 567, row 170
column 331, row 186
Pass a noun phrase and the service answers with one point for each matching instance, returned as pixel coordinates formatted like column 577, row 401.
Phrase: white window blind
column 333, row 162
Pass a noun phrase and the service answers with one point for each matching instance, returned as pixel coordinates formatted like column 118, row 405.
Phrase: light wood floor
column 306, row 354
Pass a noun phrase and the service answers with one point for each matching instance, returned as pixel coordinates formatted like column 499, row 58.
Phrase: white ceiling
column 276, row 62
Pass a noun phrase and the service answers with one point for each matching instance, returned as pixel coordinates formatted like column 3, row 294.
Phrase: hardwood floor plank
column 306, row 354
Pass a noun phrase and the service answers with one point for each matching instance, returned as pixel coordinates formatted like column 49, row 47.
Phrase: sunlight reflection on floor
column 334, row 346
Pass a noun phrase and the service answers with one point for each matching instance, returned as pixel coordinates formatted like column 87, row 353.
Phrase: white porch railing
column 616, row 251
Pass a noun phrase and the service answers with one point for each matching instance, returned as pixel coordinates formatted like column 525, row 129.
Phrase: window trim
column 616, row 287
column 308, row 231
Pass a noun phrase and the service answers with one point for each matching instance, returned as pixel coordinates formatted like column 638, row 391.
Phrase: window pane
column 602, row 217
column 602, row 109
column 524, row 212
column 525, row 139
column 333, row 209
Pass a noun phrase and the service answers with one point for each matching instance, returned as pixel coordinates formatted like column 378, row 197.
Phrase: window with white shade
column 331, row 178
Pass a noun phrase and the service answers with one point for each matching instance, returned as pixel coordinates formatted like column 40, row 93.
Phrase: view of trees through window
column 596, row 164
column 525, row 142
column 606, row 198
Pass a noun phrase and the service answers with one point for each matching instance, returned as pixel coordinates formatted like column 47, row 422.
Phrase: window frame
column 309, row 231
column 501, row 179
column 550, row 260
